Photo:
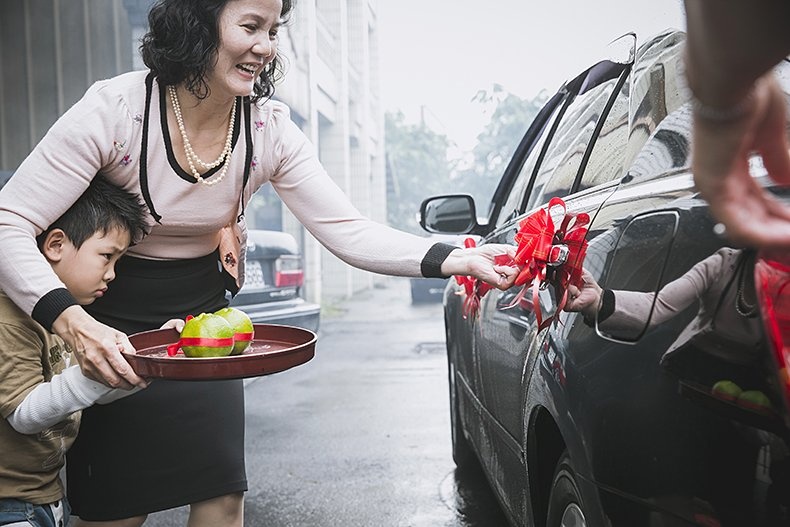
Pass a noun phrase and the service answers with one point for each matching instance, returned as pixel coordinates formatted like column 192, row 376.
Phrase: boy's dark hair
column 182, row 41
column 102, row 207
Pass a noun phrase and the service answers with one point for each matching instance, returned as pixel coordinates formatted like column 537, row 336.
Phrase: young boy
column 40, row 397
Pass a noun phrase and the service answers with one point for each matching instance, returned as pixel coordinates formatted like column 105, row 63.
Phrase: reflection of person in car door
column 723, row 340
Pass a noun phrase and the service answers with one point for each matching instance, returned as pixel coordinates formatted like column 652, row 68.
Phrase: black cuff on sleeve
column 431, row 265
column 50, row 306
column 607, row 305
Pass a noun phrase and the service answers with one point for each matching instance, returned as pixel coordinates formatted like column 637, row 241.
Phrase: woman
column 212, row 67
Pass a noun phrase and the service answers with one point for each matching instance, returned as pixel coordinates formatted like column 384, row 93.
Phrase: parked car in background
column 274, row 278
column 619, row 418
column 428, row 290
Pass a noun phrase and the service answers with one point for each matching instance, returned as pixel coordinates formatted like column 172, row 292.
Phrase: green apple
column 241, row 323
column 727, row 390
column 207, row 326
column 754, row 400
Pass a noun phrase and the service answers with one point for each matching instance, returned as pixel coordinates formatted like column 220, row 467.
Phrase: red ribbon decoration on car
column 541, row 244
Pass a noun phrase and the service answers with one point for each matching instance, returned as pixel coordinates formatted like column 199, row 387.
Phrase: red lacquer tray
column 273, row 349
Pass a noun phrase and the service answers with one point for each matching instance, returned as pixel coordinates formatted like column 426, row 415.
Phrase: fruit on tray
column 207, row 335
column 727, row 390
column 754, row 400
column 242, row 328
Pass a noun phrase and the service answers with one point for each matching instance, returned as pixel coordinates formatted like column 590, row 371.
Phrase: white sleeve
column 51, row 402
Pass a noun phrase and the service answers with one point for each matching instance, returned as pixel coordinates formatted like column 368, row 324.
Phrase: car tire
column 463, row 455
column 566, row 508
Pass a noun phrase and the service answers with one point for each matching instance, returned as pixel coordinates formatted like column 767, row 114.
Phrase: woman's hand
column 174, row 323
column 721, row 168
column 98, row 348
column 586, row 298
column 480, row 262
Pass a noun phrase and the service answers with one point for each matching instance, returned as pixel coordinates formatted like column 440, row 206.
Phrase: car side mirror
column 449, row 214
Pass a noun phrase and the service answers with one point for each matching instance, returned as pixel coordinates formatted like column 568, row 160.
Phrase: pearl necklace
column 744, row 308
column 192, row 158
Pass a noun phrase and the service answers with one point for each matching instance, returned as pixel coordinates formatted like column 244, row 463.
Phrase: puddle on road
column 430, row 348
column 471, row 500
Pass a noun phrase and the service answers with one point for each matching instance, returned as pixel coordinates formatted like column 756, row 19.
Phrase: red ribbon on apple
column 174, row 348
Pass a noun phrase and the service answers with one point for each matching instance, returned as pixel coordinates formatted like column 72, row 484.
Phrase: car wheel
column 565, row 502
column 462, row 451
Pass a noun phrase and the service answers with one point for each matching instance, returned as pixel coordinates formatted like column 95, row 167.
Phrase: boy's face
column 87, row 271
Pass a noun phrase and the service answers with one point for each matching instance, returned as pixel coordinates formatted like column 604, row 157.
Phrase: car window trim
column 573, row 89
column 545, row 148
column 523, row 150
column 598, row 127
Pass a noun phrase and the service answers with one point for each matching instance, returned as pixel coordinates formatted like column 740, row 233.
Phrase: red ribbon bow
column 543, row 238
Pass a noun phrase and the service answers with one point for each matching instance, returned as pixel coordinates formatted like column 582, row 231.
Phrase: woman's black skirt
column 176, row 442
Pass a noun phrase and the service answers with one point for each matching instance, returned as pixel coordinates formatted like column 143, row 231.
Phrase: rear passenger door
column 506, row 336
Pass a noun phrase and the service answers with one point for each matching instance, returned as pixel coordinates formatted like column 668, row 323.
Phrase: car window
column 511, row 208
column 558, row 170
column 637, row 265
column 608, row 154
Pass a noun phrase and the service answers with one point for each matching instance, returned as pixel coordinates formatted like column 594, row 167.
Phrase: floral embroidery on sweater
column 258, row 126
column 126, row 160
column 119, row 146
column 254, row 163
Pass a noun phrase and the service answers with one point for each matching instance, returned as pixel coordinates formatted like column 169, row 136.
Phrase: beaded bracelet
column 723, row 114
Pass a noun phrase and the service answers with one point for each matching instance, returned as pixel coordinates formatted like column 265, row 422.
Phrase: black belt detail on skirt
column 173, row 443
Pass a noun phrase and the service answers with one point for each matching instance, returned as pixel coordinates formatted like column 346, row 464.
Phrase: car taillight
column 288, row 271
column 772, row 280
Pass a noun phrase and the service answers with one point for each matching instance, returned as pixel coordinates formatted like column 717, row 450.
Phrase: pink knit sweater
column 102, row 133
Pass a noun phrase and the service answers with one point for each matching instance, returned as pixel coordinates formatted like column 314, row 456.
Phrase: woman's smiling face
column 247, row 43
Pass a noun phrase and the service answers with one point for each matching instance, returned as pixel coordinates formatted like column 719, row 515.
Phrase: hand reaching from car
column 739, row 109
column 720, row 164
column 585, row 299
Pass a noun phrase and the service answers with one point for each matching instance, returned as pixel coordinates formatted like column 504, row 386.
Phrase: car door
column 506, row 335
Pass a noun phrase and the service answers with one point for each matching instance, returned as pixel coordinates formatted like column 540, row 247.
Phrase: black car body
column 274, row 277
column 581, row 424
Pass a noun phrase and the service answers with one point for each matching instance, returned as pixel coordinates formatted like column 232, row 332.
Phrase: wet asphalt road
column 359, row 436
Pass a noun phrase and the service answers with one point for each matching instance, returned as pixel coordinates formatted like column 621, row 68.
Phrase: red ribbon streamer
column 539, row 242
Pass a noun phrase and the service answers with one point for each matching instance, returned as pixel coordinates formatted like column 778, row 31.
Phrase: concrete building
column 52, row 50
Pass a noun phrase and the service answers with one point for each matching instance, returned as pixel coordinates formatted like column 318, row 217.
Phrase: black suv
column 658, row 403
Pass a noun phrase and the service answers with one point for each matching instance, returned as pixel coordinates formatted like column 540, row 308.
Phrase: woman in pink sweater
column 195, row 136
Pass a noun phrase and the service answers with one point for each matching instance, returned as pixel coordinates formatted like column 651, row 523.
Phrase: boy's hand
column 97, row 348
column 174, row 323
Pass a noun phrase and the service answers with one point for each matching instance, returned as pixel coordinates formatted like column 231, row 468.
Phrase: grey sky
column 440, row 53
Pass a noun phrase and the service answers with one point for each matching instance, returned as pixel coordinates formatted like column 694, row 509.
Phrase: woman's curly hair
column 182, row 42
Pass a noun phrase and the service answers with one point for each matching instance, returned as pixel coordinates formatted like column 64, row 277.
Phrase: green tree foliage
column 479, row 173
column 417, row 167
